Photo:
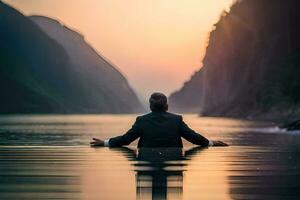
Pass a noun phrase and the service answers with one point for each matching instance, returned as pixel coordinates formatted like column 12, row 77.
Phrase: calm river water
column 48, row 157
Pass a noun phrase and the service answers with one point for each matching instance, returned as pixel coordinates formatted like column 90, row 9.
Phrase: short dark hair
column 158, row 102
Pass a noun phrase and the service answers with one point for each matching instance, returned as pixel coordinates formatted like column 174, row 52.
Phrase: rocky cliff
column 252, row 63
column 49, row 68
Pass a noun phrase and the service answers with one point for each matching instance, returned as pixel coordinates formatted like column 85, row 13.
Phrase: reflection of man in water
column 159, row 171
column 158, row 128
column 156, row 176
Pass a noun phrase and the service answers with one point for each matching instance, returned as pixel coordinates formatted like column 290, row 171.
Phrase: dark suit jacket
column 159, row 129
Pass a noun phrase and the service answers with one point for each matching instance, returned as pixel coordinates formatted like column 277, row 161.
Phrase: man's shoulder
column 174, row 115
column 143, row 116
column 168, row 114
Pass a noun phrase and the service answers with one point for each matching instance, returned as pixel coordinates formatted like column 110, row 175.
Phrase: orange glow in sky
column 156, row 44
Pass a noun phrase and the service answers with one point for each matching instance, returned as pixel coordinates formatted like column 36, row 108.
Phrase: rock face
column 252, row 63
column 56, row 71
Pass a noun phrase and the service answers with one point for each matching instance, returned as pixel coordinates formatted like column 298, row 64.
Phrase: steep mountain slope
column 251, row 66
column 26, row 60
column 39, row 76
column 100, row 81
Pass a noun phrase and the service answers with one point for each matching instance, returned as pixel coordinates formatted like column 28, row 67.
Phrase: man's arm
column 131, row 135
column 195, row 138
column 191, row 136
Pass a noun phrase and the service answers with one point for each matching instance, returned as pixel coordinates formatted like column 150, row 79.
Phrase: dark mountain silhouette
column 43, row 73
column 252, row 63
column 99, row 79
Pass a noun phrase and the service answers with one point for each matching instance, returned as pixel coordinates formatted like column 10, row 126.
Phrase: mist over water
column 48, row 157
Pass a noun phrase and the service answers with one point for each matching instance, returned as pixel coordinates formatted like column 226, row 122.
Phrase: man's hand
column 219, row 144
column 97, row 142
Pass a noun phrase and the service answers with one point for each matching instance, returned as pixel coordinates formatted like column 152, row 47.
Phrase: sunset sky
column 156, row 44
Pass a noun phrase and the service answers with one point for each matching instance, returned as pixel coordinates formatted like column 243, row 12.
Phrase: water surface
column 48, row 157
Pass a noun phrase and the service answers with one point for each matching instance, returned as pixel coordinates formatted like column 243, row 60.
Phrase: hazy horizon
column 156, row 45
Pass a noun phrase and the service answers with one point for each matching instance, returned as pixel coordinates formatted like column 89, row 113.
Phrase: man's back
column 159, row 129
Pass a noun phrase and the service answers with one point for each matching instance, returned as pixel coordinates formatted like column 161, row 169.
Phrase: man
column 158, row 129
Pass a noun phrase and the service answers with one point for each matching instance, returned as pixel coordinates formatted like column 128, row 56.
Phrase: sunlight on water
column 48, row 157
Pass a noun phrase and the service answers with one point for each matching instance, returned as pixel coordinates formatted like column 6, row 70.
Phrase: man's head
column 158, row 102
